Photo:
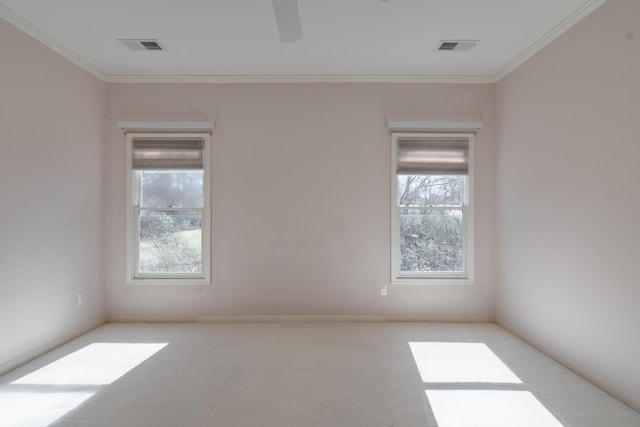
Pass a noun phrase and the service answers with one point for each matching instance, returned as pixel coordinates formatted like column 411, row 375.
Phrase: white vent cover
column 457, row 45
column 142, row 44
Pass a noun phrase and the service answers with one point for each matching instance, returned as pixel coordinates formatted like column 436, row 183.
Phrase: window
column 432, row 201
column 168, row 214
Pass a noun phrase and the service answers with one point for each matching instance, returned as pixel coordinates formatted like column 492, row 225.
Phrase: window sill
column 433, row 281
column 173, row 281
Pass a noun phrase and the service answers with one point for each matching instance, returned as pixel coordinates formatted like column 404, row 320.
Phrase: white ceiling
column 366, row 40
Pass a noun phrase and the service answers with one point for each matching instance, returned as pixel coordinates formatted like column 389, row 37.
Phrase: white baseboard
column 341, row 318
column 152, row 320
column 290, row 319
column 440, row 319
column 571, row 364
column 39, row 351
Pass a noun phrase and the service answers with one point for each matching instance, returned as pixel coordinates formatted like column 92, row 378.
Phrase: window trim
column 436, row 278
column 133, row 186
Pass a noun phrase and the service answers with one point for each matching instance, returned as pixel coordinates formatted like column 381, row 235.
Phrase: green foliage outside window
column 431, row 223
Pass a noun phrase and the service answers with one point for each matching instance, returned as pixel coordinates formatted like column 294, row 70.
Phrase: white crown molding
column 555, row 32
column 32, row 31
column 335, row 78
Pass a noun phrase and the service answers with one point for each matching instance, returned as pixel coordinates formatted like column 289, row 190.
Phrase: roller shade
column 167, row 154
column 433, row 156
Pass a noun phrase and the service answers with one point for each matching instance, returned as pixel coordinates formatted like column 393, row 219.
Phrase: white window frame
column 133, row 201
column 434, row 278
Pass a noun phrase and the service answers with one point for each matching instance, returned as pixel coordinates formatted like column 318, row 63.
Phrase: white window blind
column 173, row 154
column 433, row 156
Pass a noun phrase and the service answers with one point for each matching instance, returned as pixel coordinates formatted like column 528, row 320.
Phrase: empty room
column 319, row 213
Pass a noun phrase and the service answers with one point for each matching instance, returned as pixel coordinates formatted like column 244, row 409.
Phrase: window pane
column 431, row 240
column 171, row 188
column 170, row 241
column 429, row 190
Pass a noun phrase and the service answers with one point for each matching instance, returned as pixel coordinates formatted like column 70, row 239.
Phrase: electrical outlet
column 81, row 299
column 383, row 290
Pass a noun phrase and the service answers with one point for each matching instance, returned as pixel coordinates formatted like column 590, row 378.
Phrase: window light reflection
column 447, row 362
column 95, row 364
column 489, row 408
column 37, row 409
column 43, row 396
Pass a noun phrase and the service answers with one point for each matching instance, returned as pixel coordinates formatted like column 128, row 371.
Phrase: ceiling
column 342, row 40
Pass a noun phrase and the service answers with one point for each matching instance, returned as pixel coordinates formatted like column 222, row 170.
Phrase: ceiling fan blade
column 288, row 20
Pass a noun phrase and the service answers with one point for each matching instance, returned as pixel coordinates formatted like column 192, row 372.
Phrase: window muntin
column 432, row 221
column 169, row 211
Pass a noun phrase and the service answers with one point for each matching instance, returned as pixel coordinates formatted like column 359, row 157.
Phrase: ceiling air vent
column 457, row 45
column 142, row 44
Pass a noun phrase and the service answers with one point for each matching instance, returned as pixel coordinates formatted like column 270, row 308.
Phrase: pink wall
column 568, row 198
column 51, row 188
column 300, row 199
